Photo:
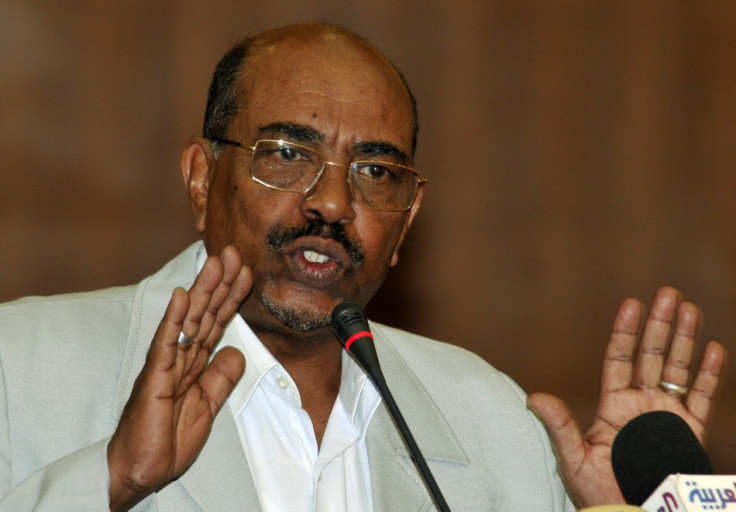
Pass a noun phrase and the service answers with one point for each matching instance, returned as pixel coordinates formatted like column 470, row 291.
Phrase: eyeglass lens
column 297, row 168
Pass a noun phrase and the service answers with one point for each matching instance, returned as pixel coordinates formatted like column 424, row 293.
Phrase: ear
column 407, row 224
column 197, row 166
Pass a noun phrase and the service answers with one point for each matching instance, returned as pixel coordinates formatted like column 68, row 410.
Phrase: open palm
column 177, row 395
column 633, row 369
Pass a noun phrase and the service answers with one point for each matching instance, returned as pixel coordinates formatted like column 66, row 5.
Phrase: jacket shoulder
column 28, row 312
column 432, row 358
column 74, row 323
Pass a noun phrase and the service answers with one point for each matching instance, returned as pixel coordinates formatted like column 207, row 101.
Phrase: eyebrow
column 380, row 149
column 292, row 131
column 302, row 133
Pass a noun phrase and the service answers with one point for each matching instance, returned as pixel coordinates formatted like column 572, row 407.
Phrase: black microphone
column 350, row 325
column 651, row 447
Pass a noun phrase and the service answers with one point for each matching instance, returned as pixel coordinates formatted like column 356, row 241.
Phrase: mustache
column 279, row 237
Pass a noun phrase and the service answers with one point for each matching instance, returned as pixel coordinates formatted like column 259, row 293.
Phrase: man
column 303, row 190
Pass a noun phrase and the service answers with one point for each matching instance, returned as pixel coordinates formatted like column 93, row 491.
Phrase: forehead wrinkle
column 329, row 93
column 372, row 148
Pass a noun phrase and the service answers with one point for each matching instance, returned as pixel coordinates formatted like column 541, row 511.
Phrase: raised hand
column 179, row 391
column 639, row 375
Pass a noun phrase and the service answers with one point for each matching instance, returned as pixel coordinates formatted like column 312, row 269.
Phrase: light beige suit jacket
column 67, row 367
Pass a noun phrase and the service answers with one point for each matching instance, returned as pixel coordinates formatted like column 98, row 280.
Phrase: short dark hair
column 223, row 98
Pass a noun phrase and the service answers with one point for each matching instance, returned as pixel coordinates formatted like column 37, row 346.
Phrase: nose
column 330, row 198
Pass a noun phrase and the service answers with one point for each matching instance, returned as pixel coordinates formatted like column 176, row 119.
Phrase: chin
column 302, row 319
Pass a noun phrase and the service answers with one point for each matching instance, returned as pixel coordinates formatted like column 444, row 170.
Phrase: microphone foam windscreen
column 651, row 447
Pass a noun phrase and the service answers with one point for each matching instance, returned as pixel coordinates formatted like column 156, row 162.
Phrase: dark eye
column 375, row 171
column 288, row 154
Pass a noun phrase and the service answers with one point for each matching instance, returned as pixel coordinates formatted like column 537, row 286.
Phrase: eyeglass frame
column 419, row 180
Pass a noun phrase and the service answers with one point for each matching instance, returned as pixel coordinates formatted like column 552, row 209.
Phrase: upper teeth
column 315, row 257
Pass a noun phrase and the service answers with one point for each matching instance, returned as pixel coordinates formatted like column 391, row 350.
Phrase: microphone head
column 350, row 325
column 347, row 320
column 651, row 447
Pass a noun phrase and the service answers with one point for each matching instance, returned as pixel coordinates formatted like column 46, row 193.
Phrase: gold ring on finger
column 673, row 388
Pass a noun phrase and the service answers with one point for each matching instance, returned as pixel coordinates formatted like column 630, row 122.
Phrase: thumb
column 221, row 375
column 563, row 430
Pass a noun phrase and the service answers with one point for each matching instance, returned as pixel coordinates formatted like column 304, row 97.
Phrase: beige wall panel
column 579, row 153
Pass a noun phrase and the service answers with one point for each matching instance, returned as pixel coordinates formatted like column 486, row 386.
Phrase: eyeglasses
column 291, row 167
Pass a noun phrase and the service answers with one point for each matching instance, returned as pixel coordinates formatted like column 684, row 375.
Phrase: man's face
column 309, row 252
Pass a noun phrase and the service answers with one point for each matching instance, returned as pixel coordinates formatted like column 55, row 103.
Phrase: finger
column 215, row 308
column 226, row 269
column 237, row 293
column 200, row 296
column 704, row 387
column 657, row 331
column 563, row 430
column 236, row 283
column 164, row 346
column 618, row 363
column 677, row 365
column 220, row 377
column 228, row 266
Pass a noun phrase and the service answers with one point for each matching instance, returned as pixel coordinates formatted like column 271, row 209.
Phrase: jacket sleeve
column 79, row 481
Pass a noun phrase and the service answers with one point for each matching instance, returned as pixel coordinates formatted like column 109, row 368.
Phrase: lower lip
column 314, row 275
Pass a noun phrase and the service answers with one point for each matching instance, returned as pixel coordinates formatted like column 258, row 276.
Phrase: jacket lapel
column 151, row 298
column 220, row 480
column 395, row 481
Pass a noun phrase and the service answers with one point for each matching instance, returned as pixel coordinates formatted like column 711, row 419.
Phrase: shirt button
column 283, row 382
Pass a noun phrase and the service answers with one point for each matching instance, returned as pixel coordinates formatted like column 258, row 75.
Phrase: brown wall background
column 579, row 153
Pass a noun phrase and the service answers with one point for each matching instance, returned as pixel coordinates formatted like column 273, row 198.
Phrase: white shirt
column 291, row 473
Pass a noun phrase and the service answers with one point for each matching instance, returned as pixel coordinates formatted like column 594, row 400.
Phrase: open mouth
column 317, row 262
column 315, row 257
